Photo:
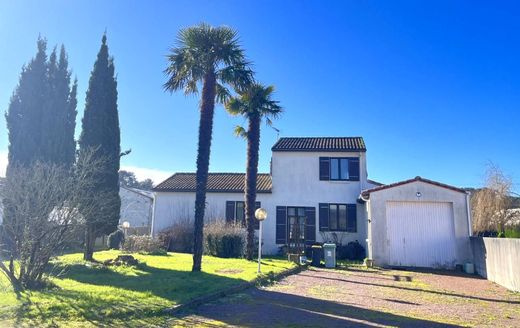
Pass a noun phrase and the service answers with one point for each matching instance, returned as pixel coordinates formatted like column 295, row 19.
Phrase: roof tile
column 324, row 144
column 217, row 182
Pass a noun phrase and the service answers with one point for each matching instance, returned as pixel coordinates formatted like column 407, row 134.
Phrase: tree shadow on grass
column 265, row 308
column 108, row 308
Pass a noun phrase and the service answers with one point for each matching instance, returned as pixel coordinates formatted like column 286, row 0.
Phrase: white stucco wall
column 296, row 182
column 135, row 208
column 376, row 208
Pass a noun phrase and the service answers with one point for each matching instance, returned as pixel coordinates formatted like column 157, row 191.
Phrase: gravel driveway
column 360, row 297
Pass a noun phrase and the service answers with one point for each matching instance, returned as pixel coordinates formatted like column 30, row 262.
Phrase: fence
column 498, row 260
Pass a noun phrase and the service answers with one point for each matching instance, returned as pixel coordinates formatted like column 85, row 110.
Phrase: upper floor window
column 339, row 168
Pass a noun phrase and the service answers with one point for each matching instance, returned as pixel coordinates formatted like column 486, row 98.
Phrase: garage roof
column 217, row 182
column 366, row 193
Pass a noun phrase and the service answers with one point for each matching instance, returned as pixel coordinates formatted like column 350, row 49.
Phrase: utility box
column 329, row 253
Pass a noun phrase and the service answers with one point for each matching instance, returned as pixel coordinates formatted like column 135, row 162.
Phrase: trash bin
column 329, row 252
column 316, row 255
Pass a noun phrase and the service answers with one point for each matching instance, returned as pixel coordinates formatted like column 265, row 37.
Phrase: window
column 236, row 212
column 339, row 168
column 338, row 217
column 240, row 214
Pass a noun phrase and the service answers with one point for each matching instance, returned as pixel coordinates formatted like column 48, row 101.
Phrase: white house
column 320, row 184
column 136, row 208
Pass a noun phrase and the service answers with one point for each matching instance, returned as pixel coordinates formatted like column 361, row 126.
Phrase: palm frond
column 240, row 131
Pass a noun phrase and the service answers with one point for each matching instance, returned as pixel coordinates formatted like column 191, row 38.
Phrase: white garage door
column 420, row 234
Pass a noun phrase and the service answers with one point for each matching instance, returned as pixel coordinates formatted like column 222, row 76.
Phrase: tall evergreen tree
column 24, row 114
column 41, row 116
column 58, row 144
column 101, row 138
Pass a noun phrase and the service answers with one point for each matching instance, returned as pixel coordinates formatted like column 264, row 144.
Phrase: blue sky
column 433, row 88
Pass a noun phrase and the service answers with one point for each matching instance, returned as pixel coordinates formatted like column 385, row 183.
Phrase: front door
column 296, row 220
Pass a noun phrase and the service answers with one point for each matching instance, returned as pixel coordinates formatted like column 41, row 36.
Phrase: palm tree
column 213, row 57
column 254, row 103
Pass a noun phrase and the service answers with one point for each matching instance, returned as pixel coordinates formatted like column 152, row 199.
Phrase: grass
column 88, row 295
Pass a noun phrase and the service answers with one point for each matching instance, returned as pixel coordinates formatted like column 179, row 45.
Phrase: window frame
column 235, row 211
column 339, row 159
column 326, row 168
column 337, row 218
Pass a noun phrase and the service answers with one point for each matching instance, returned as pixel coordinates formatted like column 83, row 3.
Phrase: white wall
column 296, row 182
column 135, row 208
column 429, row 193
column 171, row 207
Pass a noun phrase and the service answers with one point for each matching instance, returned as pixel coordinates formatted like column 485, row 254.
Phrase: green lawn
column 87, row 295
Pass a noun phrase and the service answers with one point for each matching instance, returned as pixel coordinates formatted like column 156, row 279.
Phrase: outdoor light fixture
column 418, row 194
column 260, row 215
column 126, row 225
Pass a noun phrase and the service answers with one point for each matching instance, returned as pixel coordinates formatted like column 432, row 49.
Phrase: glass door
column 296, row 233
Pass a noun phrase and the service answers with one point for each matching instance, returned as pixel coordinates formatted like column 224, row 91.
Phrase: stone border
column 262, row 280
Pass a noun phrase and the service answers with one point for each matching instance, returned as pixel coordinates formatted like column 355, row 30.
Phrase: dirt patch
column 365, row 297
column 229, row 271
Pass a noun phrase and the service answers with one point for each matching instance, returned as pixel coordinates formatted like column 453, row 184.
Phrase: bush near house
column 220, row 239
column 143, row 245
column 224, row 240
column 178, row 237
column 116, row 239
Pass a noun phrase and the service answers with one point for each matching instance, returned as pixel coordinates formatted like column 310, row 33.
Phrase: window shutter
column 353, row 169
column 230, row 211
column 281, row 225
column 351, row 218
column 324, row 168
column 324, row 217
column 310, row 225
column 257, row 223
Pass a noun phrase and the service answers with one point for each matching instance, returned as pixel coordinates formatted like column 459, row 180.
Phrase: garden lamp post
column 126, row 225
column 260, row 215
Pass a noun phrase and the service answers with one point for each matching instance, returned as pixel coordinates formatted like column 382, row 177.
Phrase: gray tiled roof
column 325, row 144
column 217, row 182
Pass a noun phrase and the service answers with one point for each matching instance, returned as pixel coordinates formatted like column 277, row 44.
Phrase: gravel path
column 359, row 297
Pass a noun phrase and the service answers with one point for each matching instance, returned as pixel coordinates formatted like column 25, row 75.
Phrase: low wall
column 498, row 260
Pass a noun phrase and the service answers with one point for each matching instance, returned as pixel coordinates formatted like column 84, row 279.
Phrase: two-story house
column 314, row 183
column 318, row 190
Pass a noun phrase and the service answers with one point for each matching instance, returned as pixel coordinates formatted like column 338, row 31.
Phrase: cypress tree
column 100, row 138
column 25, row 111
column 58, row 144
column 41, row 116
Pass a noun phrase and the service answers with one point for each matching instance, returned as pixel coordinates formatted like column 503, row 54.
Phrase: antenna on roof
column 277, row 132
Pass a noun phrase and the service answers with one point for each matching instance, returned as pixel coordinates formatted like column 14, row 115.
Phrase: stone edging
column 262, row 280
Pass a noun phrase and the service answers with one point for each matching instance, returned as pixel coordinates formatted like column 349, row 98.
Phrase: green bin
column 329, row 254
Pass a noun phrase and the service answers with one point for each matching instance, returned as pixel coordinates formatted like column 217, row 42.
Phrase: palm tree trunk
column 253, row 145
column 207, row 109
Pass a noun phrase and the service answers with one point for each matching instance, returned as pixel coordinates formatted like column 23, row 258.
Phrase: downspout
column 153, row 214
column 468, row 210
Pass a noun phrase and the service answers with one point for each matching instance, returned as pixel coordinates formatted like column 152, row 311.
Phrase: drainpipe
column 468, row 210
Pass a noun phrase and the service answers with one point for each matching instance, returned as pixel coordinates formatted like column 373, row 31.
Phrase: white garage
column 418, row 223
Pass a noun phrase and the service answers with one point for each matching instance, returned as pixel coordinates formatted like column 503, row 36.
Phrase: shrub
column 512, row 232
column 143, row 244
column 224, row 240
column 116, row 239
column 178, row 238
column 353, row 251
